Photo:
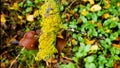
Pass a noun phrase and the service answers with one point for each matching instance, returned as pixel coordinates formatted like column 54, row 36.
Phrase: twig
column 16, row 58
column 69, row 6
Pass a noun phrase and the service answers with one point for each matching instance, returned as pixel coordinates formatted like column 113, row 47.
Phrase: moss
column 51, row 23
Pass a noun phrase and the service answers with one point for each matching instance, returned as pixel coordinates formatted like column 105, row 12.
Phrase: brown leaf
column 116, row 64
column 2, row 65
column 60, row 44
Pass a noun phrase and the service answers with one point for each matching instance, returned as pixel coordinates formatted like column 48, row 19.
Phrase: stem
column 69, row 6
column 16, row 58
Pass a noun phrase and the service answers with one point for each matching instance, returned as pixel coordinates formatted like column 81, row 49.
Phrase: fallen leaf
column 87, row 41
column 74, row 42
column 63, row 2
column 90, row 1
column 116, row 45
column 99, row 25
column 3, row 19
column 94, row 47
column 106, row 15
column 2, row 65
column 20, row 17
column 60, row 44
column 107, row 4
column 30, row 18
column 68, row 16
column 116, row 64
column 95, row 7
column 15, row 6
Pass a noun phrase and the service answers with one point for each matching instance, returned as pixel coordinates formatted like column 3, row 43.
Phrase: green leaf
column 116, row 57
column 21, row 4
column 90, row 58
column 73, row 24
column 102, row 59
column 29, row 3
column 90, row 65
column 75, row 49
column 113, row 24
column 113, row 36
column 108, row 41
column 74, row 35
column 28, row 9
column 87, row 48
column 106, row 23
column 94, row 17
column 61, row 8
column 83, row 19
column 109, row 63
column 80, row 39
column 69, row 65
column 75, row 59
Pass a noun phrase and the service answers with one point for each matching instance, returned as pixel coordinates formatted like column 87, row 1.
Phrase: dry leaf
column 3, row 19
column 20, row 17
column 94, row 47
column 60, row 44
column 74, row 42
column 90, row 1
column 30, row 18
column 95, row 8
column 99, row 25
column 87, row 41
column 15, row 6
column 106, row 15
column 116, row 45
column 107, row 4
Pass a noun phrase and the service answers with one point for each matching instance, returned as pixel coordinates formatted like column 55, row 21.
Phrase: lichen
column 50, row 24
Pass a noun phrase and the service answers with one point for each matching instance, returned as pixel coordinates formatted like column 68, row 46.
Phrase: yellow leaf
column 87, row 41
column 91, row 1
column 84, row 12
column 107, row 4
column 36, row 13
column 118, row 4
column 106, row 15
column 99, row 25
column 108, row 31
column 95, row 8
column 3, row 19
column 15, row 6
column 30, row 18
column 114, row 18
column 92, row 22
column 20, row 17
column 60, row 35
column 116, row 45
column 74, row 42
column 94, row 47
